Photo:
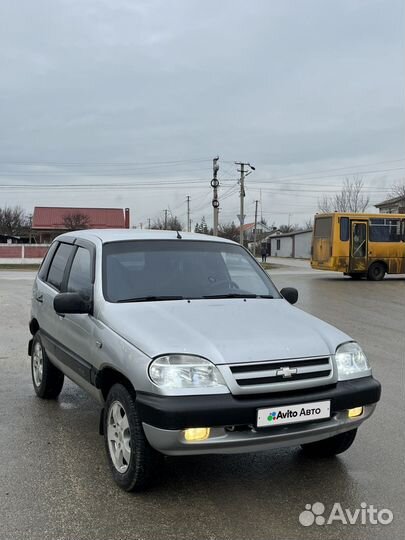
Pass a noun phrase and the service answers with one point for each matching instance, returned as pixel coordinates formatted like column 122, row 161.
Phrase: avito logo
column 314, row 513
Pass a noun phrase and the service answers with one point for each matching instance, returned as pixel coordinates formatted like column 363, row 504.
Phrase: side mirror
column 290, row 294
column 71, row 302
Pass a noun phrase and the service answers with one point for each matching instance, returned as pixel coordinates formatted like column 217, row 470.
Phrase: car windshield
column 152, row 270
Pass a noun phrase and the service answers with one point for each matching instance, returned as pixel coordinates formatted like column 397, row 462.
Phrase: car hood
column 223, row 330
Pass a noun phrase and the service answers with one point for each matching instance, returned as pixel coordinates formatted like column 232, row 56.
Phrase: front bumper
column 165, row 417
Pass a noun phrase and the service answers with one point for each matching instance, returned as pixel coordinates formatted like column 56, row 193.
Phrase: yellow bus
column 359, row 245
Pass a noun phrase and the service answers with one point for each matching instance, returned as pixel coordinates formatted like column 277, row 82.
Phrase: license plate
column 291, row 414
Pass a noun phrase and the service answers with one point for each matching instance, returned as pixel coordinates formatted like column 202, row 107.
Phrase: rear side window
column 385, row 230
column 58, row 265
column 323, row 227
column 80, row 274
column 344, row 229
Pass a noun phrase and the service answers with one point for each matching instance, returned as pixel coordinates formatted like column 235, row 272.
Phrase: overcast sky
column 137, row 93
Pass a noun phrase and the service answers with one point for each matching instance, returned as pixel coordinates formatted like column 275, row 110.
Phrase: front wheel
column 46, row 378
column 330, row 447
column 376, row 272
column 132, row 460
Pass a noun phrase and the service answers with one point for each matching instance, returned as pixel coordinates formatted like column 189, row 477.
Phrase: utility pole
column 215, row 201
column 241, row 216
column 148, row 222
column 166, row 219
column 255, row 231
column 188, row 214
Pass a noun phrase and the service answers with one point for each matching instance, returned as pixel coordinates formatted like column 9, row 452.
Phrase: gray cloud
column 293, row 86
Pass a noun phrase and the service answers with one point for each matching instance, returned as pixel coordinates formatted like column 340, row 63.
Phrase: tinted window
column 43, row 271
column 180, row 268
column 58, row 265
column 385, row 230
column 344, row 229
column 80, row 274
column 323, row 227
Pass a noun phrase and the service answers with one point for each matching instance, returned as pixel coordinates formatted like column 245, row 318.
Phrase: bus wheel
column 376, row 272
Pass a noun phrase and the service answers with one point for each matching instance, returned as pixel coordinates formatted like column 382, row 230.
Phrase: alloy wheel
column 119, row 437
column 38, row 364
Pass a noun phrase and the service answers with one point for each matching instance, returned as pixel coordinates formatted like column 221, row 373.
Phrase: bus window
column 344, row 229
column 385, row 230
column 323, row 227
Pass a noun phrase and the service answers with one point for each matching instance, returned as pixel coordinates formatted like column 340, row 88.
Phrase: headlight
column 180, row 371
column 351, row 361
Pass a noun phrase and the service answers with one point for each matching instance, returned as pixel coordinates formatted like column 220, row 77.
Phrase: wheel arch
column 379, row 261
column 34, row 326
column 108, row 376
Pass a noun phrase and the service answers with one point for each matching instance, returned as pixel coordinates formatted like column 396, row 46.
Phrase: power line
column 104, row 163
column 376, row 171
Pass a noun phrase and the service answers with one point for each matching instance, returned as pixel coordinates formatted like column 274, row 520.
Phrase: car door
column 48, row 285
column 77, row 339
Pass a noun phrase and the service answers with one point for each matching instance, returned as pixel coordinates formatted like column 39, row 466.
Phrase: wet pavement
column 54, row 480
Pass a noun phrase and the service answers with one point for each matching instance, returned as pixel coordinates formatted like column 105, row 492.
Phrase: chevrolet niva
column 190, row 349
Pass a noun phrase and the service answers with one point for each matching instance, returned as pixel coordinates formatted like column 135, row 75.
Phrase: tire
column 376, row 272
column 133, row 462
column 330, row 447
column 46, row 378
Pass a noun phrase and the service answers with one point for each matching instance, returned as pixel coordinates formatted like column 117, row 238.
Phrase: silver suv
column 190, row 349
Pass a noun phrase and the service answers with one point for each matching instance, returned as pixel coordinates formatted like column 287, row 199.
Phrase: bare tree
column 173, row 224
column 13, row 221
column 229, row 230
column 76, row 221
column 289, row 228
column 397, row 190
column 309, row 224
column 350, row 199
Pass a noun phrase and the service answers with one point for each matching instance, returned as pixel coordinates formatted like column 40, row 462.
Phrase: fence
column 22, row 253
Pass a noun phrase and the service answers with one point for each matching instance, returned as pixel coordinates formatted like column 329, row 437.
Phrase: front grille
column 282, row 371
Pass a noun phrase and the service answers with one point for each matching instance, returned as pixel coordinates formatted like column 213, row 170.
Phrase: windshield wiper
column 231, row 295
column 150, row 299
column 238, row 295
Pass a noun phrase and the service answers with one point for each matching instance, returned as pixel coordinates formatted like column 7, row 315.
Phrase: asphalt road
column 54, row 481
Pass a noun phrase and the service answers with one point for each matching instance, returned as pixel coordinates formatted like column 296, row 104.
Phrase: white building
column 295, row 244
column 392, row 206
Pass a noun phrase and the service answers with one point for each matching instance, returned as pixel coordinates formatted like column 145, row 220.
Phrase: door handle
column 39, row 298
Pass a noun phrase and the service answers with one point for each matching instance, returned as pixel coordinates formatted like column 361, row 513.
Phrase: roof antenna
column 179, row 237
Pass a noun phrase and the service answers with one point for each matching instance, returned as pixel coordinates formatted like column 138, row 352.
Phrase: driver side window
column 80, row 274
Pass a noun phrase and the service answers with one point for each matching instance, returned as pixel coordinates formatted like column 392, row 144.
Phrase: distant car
column 190, row 349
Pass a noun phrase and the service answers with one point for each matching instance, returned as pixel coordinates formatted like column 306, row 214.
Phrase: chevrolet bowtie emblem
column 286, row 372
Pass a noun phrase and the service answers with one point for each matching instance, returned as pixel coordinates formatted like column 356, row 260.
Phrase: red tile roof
column 247, row 226
column 52, row 217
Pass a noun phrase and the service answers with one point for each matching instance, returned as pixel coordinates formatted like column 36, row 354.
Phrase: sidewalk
column 287, row 265
column 288, row 261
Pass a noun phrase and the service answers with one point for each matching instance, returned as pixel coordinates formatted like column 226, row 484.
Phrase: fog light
column 357, row 411
column 197, row 434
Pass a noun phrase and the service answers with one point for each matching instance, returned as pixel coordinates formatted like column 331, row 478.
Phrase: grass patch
column 22, row 267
